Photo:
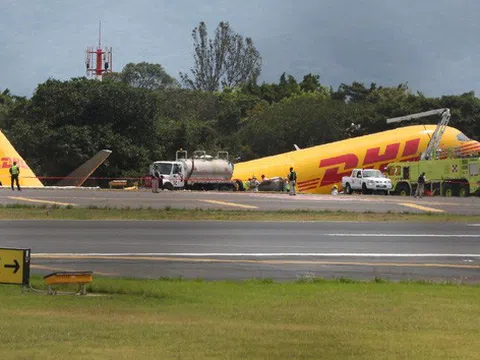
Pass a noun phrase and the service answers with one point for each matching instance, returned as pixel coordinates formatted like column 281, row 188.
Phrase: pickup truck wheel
column 348, row 189
column 168, row 186
column 365, row 191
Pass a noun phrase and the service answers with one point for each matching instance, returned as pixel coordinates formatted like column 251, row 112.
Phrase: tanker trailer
column 200, row 172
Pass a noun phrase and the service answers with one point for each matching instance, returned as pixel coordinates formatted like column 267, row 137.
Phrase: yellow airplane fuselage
column 321, row 167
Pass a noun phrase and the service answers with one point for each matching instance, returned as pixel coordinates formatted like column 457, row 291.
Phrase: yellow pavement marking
column 239, row 261
column 230, row 204
column 424, row 208
column 50, row 268
column 40, row 201
column 425, row 200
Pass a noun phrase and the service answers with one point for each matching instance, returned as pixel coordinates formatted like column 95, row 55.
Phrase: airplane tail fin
column 8, row 155
column 81, row 174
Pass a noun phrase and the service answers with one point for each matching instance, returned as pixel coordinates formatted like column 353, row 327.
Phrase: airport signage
column 14, row 266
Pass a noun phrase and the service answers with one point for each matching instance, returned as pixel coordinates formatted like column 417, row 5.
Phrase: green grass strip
column 258, row 319
column 29, row 212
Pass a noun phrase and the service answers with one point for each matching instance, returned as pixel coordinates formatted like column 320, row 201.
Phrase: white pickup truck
column 367, row 181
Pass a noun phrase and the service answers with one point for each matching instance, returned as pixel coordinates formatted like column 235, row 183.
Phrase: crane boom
column 437, row 134
column 417, row 115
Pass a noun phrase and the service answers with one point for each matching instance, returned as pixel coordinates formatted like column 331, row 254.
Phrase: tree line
column 143, row 114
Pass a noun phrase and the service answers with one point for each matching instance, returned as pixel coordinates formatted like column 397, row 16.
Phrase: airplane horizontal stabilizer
column 82, row 173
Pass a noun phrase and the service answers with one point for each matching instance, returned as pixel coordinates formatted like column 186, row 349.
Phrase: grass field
column 173, row 319
column 29, row 212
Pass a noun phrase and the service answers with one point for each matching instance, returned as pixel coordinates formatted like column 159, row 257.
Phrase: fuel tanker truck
column 200, row 172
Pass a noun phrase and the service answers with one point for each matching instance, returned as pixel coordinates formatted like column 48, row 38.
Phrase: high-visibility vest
column 14, row 169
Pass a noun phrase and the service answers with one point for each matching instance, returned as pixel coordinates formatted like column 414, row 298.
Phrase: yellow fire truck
column 445, row 177
column 455, row 172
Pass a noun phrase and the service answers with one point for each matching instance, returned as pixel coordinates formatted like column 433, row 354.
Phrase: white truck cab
column 173, row 173
column 367, row 181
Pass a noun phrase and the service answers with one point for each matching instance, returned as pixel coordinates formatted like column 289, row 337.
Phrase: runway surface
column 244, row 250
column 238, row 201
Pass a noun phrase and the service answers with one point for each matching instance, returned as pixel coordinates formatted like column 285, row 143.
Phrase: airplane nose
column 471, row 148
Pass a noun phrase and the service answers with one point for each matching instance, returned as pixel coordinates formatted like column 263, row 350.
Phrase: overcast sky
column 431, row 44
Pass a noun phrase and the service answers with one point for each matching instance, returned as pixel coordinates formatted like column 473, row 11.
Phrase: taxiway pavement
column 238, row 201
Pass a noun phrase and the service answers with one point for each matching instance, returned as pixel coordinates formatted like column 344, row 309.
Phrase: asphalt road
column 238, row 201
column 243, row 250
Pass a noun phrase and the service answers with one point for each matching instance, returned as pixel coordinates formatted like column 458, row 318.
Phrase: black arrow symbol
column 15, row 266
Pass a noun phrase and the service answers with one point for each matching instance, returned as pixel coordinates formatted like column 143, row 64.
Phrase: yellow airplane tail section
column 8, row 155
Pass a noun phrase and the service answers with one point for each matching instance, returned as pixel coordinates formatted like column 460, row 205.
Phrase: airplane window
column 462, row 137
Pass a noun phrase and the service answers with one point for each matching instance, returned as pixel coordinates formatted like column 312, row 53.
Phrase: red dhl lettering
column 332, row 175
column 372, row 157
column 7, row 163
column 411, row 147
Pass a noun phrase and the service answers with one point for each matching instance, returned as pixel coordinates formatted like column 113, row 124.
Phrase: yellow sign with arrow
column 14, row 266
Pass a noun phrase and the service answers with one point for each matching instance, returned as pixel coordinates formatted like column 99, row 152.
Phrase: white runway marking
column 378, row 255
column 407, row 235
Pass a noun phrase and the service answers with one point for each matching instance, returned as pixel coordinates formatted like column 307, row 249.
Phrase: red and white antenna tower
column 103, row 58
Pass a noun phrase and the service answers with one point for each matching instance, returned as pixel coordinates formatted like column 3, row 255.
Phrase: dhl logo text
column 339, row 166
column 7, row 162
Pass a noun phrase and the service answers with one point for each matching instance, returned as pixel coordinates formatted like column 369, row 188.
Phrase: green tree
column 65, row 123
column 286, row 87
column 356, row 92
column 227, row 60
column 307, row 119
column 181, row 104
column 310, row 83
column 147, row 76
column 232, row 106
column 6, row 102
column 465, row 109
